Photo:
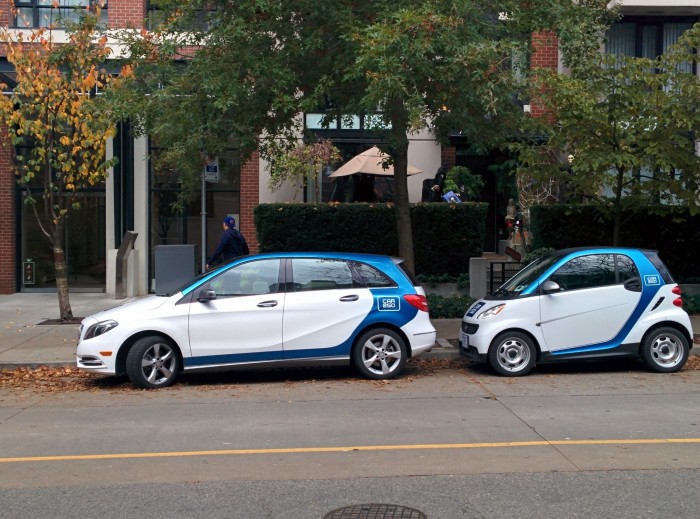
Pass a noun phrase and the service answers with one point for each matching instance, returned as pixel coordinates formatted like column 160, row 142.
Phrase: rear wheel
column 665, row 350
column 152, row 362
column 512, row 354
column 380, row 354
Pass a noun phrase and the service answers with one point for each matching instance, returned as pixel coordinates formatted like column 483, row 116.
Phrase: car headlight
column 100, row 328
column 494, row 310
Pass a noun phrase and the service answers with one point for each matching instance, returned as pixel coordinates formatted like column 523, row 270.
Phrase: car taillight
column 420, row 302
column 677, row 301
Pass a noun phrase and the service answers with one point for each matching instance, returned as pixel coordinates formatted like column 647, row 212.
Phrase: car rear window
column 373, row 277
column 409, row 276
column 656, row 261
column 626, row 269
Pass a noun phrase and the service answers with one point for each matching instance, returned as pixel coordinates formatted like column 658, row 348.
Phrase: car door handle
column 267, row 304
column 353, row 297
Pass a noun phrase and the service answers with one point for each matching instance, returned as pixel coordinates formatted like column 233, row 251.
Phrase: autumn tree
column 55, row 114
column 443, row 65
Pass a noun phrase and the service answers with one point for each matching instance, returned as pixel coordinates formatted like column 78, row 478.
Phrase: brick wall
column 448, row 155
column 6, row 12
column 8, row 210
column 126, row 13
column 250, row 197
column 545, row 54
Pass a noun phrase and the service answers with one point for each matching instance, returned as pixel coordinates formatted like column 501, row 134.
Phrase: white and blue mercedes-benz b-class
column 280, row 309
column 582, row 303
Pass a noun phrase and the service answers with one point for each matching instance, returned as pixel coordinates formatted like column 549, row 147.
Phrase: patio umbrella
column 369, row 162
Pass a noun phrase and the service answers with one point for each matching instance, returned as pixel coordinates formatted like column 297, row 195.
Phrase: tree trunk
column 59, row 257
column 402, row 207
column 402, row 210
column 617, row 207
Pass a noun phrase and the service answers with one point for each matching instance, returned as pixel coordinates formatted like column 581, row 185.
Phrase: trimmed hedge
column 448, row 307
column 671, row 230
column 445, row 235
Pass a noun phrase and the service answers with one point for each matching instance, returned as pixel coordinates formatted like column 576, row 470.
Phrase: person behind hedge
column 231, row 244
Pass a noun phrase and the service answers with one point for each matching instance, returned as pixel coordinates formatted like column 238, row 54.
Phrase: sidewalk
column 24, row 342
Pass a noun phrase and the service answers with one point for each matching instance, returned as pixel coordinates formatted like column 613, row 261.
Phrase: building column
column 250, row 198
column 545, row 55
column 8, row 224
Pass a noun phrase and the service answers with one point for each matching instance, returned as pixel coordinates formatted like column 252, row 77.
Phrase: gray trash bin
column 175, row 265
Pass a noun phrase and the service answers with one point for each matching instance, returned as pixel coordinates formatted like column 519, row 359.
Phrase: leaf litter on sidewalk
column 68, row 379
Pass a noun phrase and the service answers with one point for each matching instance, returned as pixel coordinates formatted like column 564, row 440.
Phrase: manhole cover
column 375, row 511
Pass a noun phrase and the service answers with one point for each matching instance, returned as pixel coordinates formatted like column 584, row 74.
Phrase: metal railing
column 502, row 271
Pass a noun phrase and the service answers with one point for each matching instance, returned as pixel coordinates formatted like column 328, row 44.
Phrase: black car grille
column 469, row 328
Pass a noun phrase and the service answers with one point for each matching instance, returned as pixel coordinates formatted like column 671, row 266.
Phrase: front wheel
column 152, row 362
column 512, row 354
column 665, row 350
column 380, row 354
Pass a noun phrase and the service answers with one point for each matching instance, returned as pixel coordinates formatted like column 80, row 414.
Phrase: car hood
column 143, row 305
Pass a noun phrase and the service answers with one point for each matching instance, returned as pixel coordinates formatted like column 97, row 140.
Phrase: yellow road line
column 359, row 448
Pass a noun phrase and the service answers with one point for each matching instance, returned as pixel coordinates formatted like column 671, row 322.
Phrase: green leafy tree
column 460, row 179
column 63, row 126
column 253, row 67
column 621, row 131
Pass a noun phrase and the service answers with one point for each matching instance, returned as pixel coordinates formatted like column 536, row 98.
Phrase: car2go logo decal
column 388, row 304
column 652, row 280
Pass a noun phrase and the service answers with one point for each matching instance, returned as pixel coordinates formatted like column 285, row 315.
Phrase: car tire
column 665, row 350
column 380, row 354
column 152, row 362
column 512, row 354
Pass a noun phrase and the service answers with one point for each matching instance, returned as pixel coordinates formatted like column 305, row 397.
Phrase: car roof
column 360, row 256
column 606, row 248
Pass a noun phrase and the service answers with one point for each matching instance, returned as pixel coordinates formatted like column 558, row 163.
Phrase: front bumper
column 471, row 352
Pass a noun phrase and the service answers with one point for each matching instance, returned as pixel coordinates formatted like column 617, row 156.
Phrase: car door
column 240, row 320
column 595, row 301
column 324, row 305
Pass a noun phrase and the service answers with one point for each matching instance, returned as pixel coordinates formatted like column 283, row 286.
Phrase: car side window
column 595, row 270
column 626, row 269
column 251, row 278
column 372, row 277
column 322, row 274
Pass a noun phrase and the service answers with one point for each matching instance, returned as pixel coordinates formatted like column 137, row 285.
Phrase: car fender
column 657, row 318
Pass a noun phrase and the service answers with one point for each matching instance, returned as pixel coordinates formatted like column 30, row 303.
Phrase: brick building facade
column 132, row 198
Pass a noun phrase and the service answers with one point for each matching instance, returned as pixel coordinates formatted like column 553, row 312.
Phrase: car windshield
column 524, row 278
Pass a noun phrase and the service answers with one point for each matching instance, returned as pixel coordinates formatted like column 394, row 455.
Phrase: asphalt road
column 585, row 440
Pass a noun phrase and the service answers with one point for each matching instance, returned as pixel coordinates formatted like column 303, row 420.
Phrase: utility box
column 174, row 266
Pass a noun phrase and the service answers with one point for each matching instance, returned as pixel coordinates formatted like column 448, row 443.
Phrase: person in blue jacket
column 231, row 244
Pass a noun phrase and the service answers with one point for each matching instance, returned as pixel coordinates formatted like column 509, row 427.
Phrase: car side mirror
column 206, row 295
column 550, row 287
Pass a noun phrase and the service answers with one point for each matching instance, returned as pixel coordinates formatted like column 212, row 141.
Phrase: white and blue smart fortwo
column 267, row 310
column 581, row 303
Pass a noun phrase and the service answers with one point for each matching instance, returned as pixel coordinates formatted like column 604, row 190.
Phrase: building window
column 42, row 13
column 156, row 16
column 645, row 37
column 321, row 121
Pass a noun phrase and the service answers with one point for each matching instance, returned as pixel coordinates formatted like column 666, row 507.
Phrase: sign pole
column 210, row 173
column 204, row 222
